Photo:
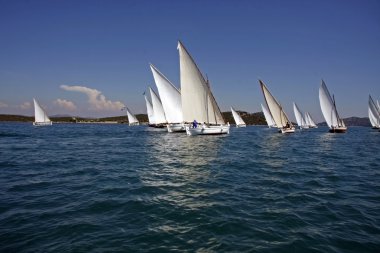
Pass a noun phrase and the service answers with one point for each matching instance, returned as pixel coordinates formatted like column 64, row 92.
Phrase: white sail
column 275, row 109
column 170, row 97
column 328, row 108
column 268, row 117
column 301, row 121
column 149, row 110
column 158, row 110
column 198, row 103
column 237, row 117
column 40, row 116
column 310, row 122
column 373, row 113
column 378, row 105
column 131, row 118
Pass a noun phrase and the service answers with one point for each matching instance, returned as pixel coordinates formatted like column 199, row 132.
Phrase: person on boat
column 195, row 124
column 287, row 125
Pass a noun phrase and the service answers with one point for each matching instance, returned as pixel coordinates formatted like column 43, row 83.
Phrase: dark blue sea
column 115, row 188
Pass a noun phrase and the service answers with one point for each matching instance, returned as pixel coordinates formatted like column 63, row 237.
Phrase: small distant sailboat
column 238, row 119
column 132, row 120
column 329, row 111
column 309, row 121
column 275, row 109
column 40, row 116
column 149, row 110
column 158, row 110
column 268, row 117
column 301, row 121
column 373, row 113
column 198, row 102
column 171, row 101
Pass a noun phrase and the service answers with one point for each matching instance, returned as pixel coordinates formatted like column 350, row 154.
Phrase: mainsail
column 40, row 115
column 301, row 121
column 275, row 108
column 149, row 110
column 268, row 116
column 158, row 110
column 131, row 118
column 198, row 102
column 373, row 113
column 237, row 118
column 170, row 97
column 328, row 108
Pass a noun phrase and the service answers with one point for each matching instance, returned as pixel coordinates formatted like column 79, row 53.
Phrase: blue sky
column 103, row 49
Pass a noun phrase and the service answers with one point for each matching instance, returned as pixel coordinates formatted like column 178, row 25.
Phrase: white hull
column 179, row 127
column 287, row 130
column 242, row 125
column 208, row 130
column 134, row 124
column 48, row 123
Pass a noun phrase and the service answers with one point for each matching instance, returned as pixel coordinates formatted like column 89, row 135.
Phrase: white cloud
column 3, row 105
column 66, row 104
column 96, row 99
column 26, row 105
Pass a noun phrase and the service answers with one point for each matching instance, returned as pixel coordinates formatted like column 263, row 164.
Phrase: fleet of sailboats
column 40, row 116
column 238, row 119
column 276, row 111
column 193, row 108
column 329, row 111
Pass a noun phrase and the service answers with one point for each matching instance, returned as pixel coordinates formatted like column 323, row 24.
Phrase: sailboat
column 276, row 111
column 238, row 120
column 309, row 121
column 373, row 113
column 268, row 117
column 198, row 102
column 149, row 110
column 40, row 116
column 158, row 110
column 329, row 111
column 171, row 101
column 132, row 120
column 301, row 121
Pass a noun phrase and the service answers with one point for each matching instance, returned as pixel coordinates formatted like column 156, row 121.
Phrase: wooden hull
column 49, row 123
column 338, row 130
column 208, row 130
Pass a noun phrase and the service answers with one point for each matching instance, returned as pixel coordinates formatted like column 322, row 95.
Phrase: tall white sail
column 309, row 121
column 268, row 116
column 275, row 109
column 158, row 110
column 149, row 110
column 170, row 97
column 198, row 103
column 40, row 116
column 237, row 117
column 373, row 113
column 328, row 108
column 301, row 121
column 131, row 118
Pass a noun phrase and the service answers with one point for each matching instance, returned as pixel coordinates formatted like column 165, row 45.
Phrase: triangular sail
column 131, row 118
column 39, row 113
column 328, row 107
column 170, row 97
column 149, row 110
column 301, row 121
column 158, row 110
column 310, row 121
column 268, row 116
column 238, row 119
column 198, row 103
column 373, row 113
column 275, row 109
